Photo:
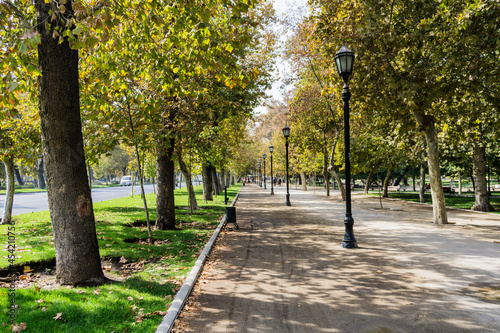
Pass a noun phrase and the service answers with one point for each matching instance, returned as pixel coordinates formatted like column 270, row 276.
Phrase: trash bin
column 231, row 216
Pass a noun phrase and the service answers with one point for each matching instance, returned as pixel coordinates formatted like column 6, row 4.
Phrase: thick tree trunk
column 426, row 123
column 41, row 174
column 385, row 193
column 303, row 181
column 18, row 176
column 479, row 171
column 70, row 201
column 9, row 193
column 228, row 178
column 193, row 204
column 165, row 177
column 368, row 181
column 422, row 178
column 207, row 182
column 223, row 178
column 216, row 187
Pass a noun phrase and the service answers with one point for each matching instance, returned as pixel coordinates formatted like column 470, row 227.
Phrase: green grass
column 452, row 201
column 21, row 189
column 154, row 274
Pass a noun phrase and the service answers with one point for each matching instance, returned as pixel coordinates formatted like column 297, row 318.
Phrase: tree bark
column 193, row 204
column 479, row 171
column 303, row 181
column 41, row 174
column 9, row 193
column 326, row 175
column 223, row 178
column 402, row 176
column 69, row 196
column 216, row 187
column 368, row 181
column 165, row 178
column 385, row 193
column 18, row 176
column 460, row 182
column 207, row 182
column 426, row 123
column 422, row 179
column 335, row 174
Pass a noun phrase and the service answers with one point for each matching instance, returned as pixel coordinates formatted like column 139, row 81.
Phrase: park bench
column 448, row 189
column 393, row 188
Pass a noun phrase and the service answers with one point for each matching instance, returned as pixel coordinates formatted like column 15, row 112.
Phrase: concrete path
column 285, row 271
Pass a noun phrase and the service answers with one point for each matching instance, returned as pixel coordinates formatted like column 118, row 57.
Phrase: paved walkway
column 285, row 271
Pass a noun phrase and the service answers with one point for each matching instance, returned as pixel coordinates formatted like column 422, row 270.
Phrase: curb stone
column 180, row 299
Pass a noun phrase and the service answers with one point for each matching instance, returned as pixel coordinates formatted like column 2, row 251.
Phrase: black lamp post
column 344, row 60
column 271, row 148
column 260, row 172
column 286, row 134
column 264, row 157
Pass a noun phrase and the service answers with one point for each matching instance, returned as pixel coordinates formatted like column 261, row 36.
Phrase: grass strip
column 146, row 277
column 452, row 201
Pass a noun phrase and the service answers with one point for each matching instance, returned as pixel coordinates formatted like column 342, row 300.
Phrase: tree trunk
column 402, row 176
column 216, row 187
column 223, row 178
column 207, row 182
column 228, row 178
column 422, row 178
column 368, row 181
column 385, row 194
column 336, row 176
column 426, row 123
column 165, row 178
column 459, row 182
column 326, row 176
column 9, row 193
column 479, row 171
column 193, row 204
column 18, row 176
column 70, row 200
column 303, row 181
column 41, row 174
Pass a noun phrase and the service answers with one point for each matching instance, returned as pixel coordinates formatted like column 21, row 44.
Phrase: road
column 37, row 201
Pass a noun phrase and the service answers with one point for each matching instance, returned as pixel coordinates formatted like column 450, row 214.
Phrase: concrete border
column 180, row 299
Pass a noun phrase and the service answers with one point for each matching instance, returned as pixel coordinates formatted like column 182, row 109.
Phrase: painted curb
column 180, row 299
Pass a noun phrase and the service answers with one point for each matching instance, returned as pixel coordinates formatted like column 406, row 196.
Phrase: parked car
column 126, row 181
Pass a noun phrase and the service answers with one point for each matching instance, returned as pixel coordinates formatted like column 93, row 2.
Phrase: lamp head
column 345, row 61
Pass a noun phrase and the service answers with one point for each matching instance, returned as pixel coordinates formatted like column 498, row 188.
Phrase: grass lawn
column 145, row 277
column 453, row 201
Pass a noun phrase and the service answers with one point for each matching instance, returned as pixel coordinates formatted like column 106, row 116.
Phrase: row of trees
column 163, row 78
column 425, row 89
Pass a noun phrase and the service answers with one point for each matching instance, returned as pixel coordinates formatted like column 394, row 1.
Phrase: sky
column 282, row 7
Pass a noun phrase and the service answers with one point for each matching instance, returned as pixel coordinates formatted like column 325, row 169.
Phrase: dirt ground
column 285, row 271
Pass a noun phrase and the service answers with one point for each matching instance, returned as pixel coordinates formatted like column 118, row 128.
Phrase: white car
column 126, row 181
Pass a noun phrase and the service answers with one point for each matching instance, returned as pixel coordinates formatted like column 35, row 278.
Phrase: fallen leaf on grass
column 18, row 328
column 40, row 300
column 130, row 298
column 58, row 316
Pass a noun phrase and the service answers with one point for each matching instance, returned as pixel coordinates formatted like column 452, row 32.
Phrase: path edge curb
column 180, row 299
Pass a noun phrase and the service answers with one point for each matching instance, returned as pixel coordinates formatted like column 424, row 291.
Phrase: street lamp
column 271, row 148
column 286, row 134
column 264, row 156
column 260, row 172
column 345, row 60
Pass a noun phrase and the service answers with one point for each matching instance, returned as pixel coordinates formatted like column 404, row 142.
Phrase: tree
column 70, row 201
